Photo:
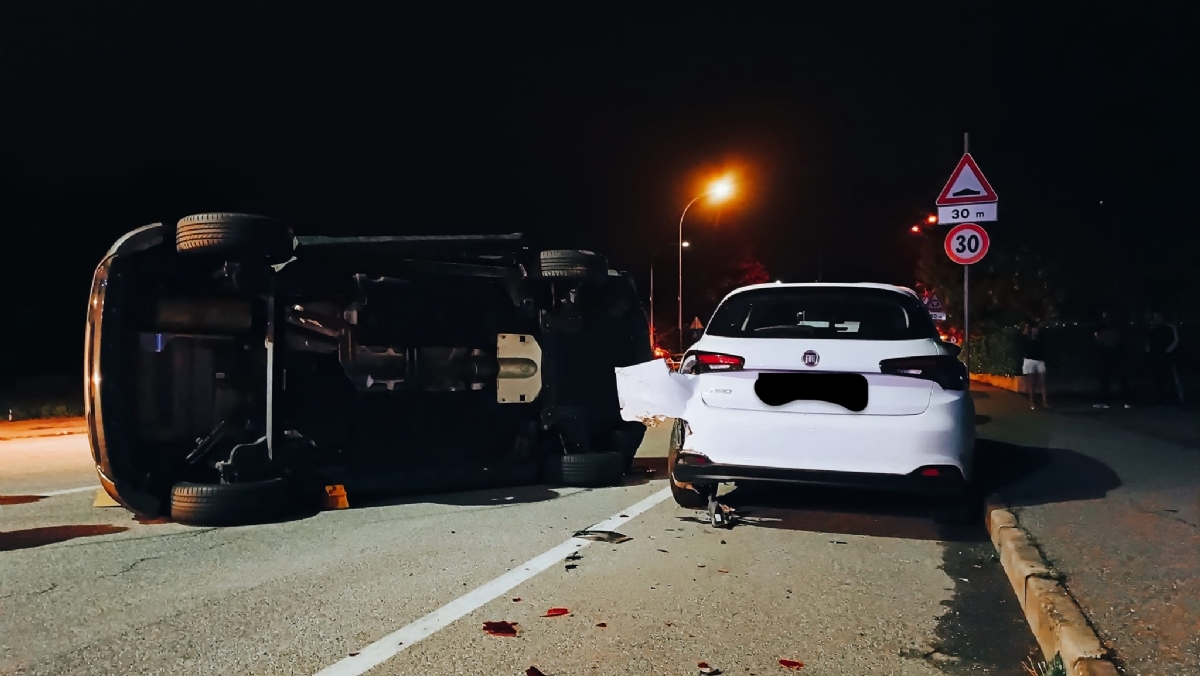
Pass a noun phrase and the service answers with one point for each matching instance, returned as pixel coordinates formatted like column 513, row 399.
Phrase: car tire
column 685, row 496
column 230, row 504
column 627, row 440
column 239, row 235
column 585, row 470
column 572, row 264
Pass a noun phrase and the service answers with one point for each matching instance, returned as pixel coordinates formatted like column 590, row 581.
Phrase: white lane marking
column 50, row 494
column 387, row 647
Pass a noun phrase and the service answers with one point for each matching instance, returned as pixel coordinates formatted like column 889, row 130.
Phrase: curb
column 1054, row 617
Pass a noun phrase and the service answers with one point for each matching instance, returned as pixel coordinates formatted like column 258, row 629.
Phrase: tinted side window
column 829, row 312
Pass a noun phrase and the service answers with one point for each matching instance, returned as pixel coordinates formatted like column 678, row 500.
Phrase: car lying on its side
column 819, row 384
column 232, row 371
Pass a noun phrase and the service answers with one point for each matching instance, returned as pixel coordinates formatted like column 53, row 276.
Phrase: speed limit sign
column 966, row 243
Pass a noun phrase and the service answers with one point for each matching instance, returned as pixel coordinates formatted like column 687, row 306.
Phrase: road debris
column 556, row 612
column 501, row 628
column 602, row 536
column 791, row 664
column 722, row 570
column 705, row 669
column 571, row 566
column 534, row 671
column 664, row 551
column 601, row 624
column 517, row 600
column 575, row 557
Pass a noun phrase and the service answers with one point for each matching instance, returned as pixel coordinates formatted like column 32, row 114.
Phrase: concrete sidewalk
column 1113, row 500
column 41, row 427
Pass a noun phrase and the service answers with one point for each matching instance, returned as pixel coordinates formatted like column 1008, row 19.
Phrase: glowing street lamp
column 718, row 191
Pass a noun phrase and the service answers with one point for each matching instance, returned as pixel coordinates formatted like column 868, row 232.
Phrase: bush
column 998, row 353
column 1069, row 349
column 35, row 407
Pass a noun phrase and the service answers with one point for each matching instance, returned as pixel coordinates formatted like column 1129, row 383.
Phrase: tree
column 1011, row 285
column 746, row 270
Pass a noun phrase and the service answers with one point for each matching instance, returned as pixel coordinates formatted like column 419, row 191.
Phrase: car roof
column 825, row 285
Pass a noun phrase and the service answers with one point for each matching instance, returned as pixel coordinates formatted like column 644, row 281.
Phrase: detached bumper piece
column 934, row 481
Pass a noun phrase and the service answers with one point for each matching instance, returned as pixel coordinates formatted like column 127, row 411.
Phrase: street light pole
column 680, row 297
column 653, row 260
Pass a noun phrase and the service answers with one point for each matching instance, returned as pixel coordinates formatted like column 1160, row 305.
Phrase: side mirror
column 952, row 349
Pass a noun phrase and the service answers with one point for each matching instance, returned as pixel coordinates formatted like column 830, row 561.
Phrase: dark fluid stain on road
column 152, row 521
column 18, row 499
column 39, row 537
column 983, row 630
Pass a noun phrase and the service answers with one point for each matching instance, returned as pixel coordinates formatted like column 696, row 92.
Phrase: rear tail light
column 938, row 471
column 942, row 369
column 712, row 362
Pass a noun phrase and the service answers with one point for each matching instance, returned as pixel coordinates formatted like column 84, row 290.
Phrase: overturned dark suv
column 233, row 370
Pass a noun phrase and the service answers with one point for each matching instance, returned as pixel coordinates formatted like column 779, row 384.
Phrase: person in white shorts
column 1033, row 366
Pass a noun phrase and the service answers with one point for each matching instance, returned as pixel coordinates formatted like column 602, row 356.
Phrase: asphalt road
column 403, row 587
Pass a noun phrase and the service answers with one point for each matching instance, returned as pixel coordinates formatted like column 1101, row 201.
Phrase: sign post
column 966, row 199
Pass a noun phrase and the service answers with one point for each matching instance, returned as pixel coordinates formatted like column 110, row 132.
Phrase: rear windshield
column 825, row 312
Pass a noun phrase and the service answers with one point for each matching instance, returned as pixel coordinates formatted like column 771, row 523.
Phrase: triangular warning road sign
column 967, row 185
column 696, row 325
column 933, row 303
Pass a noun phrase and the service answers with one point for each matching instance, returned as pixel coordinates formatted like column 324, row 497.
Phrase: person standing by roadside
column 1033, row 366
column 1162, row 339
column 1114, row 360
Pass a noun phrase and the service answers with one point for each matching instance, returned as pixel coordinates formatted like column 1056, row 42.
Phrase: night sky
column 592, row 128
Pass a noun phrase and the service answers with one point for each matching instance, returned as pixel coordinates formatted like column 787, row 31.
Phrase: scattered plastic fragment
column 664, row 551
column 517, row 600
column 722, row 570
column 534, row 671
column 791, row 664
column 571, row 566
column 601, row 624
column 501, row 628
column 705, row 669
column 602, row 536
column 575, row 557
column 356, row 653
column 556, row 612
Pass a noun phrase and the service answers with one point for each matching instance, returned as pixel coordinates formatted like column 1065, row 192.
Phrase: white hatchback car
column 820, row 384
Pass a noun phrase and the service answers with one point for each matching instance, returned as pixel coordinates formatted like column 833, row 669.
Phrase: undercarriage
column 233, row 371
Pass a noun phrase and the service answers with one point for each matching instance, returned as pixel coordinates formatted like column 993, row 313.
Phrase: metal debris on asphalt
column 571, row 566
column 501, row 628
column 705, row 669
column 602, row 536
column 722, row 570
column 575, row 557
column 602, row 624
column 556, row 612
column 791, row 664
column 534, row 671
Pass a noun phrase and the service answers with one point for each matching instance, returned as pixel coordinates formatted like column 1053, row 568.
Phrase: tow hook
column 719, row 515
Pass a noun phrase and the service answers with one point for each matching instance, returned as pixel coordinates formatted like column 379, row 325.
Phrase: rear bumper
column 830, row 446
column 892, row 483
